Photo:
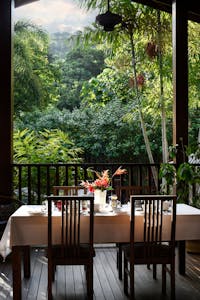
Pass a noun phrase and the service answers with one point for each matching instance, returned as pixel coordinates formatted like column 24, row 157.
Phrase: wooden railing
column 32, row 182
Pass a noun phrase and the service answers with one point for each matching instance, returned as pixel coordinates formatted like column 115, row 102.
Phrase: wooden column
column 180, row 87
column 180, row 76
column 5, row 98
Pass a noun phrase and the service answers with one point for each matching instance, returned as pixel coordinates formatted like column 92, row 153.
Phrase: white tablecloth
column 28, row 226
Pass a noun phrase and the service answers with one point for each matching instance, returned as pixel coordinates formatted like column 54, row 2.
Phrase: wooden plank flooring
column 70, row 281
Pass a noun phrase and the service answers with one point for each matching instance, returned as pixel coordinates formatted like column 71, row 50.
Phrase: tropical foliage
column 48, row 147
column 89, row 95
column 35, row 75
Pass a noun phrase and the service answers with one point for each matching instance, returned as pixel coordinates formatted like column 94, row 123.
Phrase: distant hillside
column 60, row 44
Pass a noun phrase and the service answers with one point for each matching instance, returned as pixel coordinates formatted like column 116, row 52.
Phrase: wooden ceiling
column 192, row 6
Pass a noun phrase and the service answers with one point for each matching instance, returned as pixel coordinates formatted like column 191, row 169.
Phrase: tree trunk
column 143, row 127
column 165, row 154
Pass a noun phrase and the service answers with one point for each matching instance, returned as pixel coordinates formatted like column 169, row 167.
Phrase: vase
column 100, row 198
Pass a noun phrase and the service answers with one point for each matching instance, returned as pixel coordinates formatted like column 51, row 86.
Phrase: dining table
column 27, row 227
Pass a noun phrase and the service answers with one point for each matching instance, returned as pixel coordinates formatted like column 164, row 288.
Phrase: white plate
column 106, row 210
column 36, row 212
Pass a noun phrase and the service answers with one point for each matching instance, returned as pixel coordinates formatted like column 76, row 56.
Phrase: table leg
column 16, row 269
column 27, row 264
column 181, row 257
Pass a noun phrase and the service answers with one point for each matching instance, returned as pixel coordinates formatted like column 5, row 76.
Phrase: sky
column 56, row 15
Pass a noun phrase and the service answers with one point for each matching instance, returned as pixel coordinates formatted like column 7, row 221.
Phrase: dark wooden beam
column 192, row 7
column 180, row 77
column 6, row 98
column 23, row 2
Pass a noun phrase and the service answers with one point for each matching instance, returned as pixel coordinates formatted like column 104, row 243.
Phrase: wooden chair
column 155, row 247
column 69, row 190
column 123, row 194
column 71, row 248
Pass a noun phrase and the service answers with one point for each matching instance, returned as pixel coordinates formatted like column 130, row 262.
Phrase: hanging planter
column 108, row 20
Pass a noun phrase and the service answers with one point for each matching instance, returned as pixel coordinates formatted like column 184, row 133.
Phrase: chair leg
column 50, row 279
column 173, row 289
column 89, row 278
column 117, row 245
column 125, row 276
column 120, row 261
column 132, row 286
column 164, row 279
column 154, row 272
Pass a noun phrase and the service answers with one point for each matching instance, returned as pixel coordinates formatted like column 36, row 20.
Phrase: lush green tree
column 136, row 20
column 34, row 76
column 78, row 67
column 107, row 125
column 51, row 118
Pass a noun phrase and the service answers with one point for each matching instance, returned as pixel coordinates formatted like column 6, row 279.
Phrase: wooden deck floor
column 70, row 281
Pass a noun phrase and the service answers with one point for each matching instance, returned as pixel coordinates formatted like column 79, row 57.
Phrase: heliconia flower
column 152, row 50
column 103, row 181
column 91, row 189
column 120, row 171
column 140, row 80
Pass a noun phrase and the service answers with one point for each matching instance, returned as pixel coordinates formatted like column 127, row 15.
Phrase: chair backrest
column 159, row 222
column 69, row 190
column 65, row 226
column 123, row 192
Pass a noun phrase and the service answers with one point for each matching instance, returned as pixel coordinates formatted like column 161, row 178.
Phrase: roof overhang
column 23, row 2
column 192, row 7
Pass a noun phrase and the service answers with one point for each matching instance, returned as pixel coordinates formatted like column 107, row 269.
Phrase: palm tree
column 32, row 69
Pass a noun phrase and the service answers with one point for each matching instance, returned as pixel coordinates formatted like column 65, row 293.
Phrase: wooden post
column 180, row 88
column 180, row 77
column 6, row 98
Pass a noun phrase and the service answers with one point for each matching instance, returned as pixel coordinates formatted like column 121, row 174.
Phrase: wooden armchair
column 123, row 192
column 158, row 245
column 68, row 244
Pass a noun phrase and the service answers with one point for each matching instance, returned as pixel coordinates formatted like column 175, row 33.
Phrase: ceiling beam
column 23, row 2
column 192, row 7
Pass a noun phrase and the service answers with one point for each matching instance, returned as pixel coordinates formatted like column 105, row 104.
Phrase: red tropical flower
column 103, row 181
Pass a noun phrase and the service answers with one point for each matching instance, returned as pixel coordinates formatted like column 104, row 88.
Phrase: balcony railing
column 32, row 182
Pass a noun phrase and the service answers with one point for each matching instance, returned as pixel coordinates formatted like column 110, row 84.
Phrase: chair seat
column 71, row 253
column 155, row 253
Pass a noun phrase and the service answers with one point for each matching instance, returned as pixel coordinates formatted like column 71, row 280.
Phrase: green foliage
column 186, row 173
column 167, row 171
column 44, row 147
column 109, row 85
column 102, row 109
column 34, row 75
column 78, row 67
column 185, row 176
column 48, row 146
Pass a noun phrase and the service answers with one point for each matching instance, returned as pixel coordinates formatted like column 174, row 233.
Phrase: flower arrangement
column 103, row 180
